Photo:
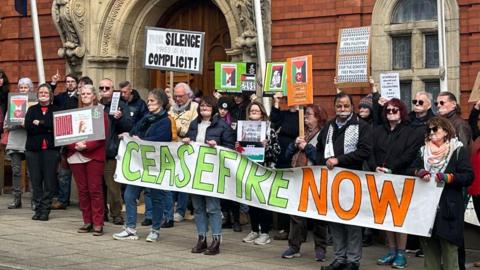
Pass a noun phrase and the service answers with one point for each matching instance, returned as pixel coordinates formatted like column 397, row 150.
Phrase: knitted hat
column 225, row 103
column 366, row 102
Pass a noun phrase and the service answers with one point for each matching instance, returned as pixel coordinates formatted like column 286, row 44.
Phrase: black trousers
column 42, row 169
column 232, row 207
column 298, row 231
column 260, row 219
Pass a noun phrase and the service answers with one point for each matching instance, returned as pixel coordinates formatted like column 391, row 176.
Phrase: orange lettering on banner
column 357, row 195
column 319, row 195
column 389, row 198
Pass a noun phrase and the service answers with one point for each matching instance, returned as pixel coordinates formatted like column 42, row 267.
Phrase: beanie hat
column 225, row 103
column 366, row 102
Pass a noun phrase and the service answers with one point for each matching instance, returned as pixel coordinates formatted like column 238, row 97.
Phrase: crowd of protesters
column 438, row 147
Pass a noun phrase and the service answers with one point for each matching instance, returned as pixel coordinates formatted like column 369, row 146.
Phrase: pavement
column 55, row 244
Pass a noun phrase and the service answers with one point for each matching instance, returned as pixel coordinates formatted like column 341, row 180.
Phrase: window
column 406, row 93
column 415, row 10
column 433, row 87
column 431, row 51
column 402, row 52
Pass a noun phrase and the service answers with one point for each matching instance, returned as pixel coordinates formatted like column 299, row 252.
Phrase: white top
column 202, row 130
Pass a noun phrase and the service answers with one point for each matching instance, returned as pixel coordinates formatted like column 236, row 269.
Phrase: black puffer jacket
column 219, row 131
column 394, row 149
column 116, row 127
column 450, row 214
column 138, row 108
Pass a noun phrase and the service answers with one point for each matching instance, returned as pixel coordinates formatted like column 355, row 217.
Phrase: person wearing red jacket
column 87, row 161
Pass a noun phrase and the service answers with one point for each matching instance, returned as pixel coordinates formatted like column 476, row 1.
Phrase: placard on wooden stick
column 353, row 57
column 475, row 94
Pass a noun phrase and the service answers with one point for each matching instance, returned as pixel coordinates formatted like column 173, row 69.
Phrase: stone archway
column 111, row 33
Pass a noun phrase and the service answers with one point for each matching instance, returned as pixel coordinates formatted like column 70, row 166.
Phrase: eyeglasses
column 441, row 103
column 434, row 129
column 392, row 111
column 255, row 111
column 104, row 88
column 418, row 102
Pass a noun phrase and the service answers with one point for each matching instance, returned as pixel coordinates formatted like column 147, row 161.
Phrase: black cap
column 225, row 103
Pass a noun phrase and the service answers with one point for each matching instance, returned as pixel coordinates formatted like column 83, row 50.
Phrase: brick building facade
column 297, row 28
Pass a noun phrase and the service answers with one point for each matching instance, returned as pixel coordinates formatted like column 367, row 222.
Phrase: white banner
column 382, row 201
column 174, row 50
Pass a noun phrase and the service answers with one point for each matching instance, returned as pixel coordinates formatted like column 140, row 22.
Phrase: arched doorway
column 199, row 15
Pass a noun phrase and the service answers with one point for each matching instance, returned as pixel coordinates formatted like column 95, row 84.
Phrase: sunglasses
column 417, row 102
column 434, row 129
column 441, row 103
column 392, row 111
column 104, row 88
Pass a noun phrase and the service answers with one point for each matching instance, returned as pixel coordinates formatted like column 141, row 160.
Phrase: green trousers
column 439, row 254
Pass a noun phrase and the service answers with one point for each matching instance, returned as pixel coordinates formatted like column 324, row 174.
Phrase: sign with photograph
column 228, row 76
column 276, row 78
column 248, row 81
column 84, row 124
column 353, row 57
column 390, row 85
column 18, row 104
column 174, row 50
column 299, row 81
column 250, row 135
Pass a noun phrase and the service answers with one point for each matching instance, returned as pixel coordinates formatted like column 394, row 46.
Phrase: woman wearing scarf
column 155, row 126
column 444, row 159
column 394, row 150
column 303, row 153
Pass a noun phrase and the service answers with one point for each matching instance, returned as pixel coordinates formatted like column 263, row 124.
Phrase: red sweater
column 95, row 149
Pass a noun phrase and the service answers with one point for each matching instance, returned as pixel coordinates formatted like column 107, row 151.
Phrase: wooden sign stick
column 301, row 122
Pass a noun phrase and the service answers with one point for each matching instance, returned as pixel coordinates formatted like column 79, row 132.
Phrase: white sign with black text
column 174, row 50
column 390, row 85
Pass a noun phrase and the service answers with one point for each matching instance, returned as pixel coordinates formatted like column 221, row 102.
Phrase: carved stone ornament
column 69, row 18
column 245, row 10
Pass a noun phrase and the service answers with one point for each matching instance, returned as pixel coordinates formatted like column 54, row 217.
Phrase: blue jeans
column 207, row 210
column 64, row 185
column 168, row 210
column 157, row 196
column 182, row 202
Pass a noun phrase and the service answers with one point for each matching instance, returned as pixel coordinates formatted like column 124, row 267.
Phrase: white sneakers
column 177, row 217
column 127, row 234
column 153, row 236
column 262, row 239
column 250, row 237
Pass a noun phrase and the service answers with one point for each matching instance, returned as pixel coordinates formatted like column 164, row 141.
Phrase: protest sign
column 114, row 103
column 276, row 78
column 228, row 76
column 475, row 94
column 84, row 124
column 377, row 200
column 470, row 214
column 250, row 135
column 299, row 81
column 390, row 85
column 18, row 104
column 353, row 57
column 248, row 81
column 174, row 50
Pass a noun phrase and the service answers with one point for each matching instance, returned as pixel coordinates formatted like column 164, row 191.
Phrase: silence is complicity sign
column 174, row 50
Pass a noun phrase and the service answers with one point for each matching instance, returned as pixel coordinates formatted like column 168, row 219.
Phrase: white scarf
column 425, row 152
column 349, row 143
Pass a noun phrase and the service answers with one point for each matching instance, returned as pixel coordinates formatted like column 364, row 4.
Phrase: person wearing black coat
column 395, row 147
column 448, row 164
column 345, row 142
column 118, row 123
column 210, row 129
column 137, row 106
column 41, row 154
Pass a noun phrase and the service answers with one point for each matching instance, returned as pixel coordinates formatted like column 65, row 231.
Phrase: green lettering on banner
column 239, row 176
column 147, row 163
column 203, row 166
column 127, row 159
column 167, row 163
column 278, row 182
column 253, row 182
column 184, row 148
column 224, row 171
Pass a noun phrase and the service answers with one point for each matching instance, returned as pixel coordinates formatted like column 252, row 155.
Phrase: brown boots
column 201, row 246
